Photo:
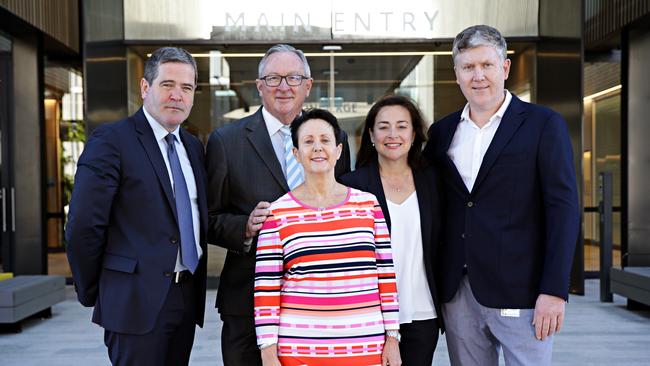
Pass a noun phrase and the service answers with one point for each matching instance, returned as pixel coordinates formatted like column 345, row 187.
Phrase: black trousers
column 169, row 342
column 419, row 340
column 238, row 341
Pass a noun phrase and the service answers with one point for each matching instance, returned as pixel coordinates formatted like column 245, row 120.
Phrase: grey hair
column 164, row 55
column 283, row 48
column 480, row 35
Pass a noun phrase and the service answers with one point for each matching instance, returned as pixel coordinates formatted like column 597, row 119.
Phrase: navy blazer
column 367, row 179
column 122, row 233
column 517, row 229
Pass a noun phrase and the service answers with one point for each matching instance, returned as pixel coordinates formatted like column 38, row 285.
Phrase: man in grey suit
column 247, row 169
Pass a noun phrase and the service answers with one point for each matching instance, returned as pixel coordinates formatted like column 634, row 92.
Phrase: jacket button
column 173, row 240
column 470, row 204
column 167, row 274
column 462, row 236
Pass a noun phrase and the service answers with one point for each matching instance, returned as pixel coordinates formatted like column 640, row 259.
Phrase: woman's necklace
column 402, row 181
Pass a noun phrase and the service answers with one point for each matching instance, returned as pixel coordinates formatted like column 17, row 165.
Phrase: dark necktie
column 189, row 255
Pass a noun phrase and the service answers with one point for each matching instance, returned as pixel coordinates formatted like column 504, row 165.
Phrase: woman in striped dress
column 325, row 291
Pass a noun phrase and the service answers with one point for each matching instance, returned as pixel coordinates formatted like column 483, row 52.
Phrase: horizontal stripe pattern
column 324, row 281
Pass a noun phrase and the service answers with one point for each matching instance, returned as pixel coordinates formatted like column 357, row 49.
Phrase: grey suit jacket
column 242, row 171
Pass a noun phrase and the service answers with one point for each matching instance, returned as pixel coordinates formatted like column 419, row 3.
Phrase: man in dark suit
column 511, row 214
column 137, row 222
column 249, row 165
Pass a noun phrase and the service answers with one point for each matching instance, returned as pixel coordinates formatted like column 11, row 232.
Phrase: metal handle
column 13, row 210
column 4, row 211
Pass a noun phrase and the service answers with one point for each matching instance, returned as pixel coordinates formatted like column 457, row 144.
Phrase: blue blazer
column 122, row 235
column 517, row 229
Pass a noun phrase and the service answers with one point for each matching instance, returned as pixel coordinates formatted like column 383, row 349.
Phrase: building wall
column 637, row 88
column 29, row 253
column 59, row 19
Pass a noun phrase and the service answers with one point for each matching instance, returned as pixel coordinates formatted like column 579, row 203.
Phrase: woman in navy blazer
column 390, row 166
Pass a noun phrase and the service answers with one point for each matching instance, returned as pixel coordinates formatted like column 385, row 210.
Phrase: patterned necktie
column 294, row 172
column 189, row 255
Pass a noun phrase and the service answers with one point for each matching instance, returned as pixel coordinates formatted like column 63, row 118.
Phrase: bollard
column 606, row 234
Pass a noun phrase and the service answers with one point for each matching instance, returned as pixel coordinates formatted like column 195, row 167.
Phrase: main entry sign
column 334, row 20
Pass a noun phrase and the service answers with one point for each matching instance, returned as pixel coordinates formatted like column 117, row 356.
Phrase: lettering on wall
column 318, row 26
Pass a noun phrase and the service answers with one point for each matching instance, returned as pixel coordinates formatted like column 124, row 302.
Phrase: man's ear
column 144, row 88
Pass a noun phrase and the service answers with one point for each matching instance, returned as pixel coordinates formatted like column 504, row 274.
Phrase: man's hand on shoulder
column 549, row 315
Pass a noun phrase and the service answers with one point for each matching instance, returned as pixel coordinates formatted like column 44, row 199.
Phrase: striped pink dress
column 325, row 288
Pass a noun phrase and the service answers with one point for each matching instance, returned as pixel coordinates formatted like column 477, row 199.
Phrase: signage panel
column 324, row 21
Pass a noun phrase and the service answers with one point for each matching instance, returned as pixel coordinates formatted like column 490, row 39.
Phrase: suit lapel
column 374, row 185
column 512, row 119
column 449, row 130
column 423, row 189
column 258, row 136
column 148, row 141
column 198, row 170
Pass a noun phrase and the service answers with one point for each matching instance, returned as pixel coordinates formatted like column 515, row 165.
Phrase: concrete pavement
column 594, row 334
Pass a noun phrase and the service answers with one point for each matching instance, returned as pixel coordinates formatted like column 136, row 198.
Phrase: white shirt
column 273, row 126
column 415, row 302
column 470, row 142
column 160, row 132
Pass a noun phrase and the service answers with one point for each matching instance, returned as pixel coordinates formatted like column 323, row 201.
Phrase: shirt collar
column 464, row 116
column 273, row 124
column 158, row 130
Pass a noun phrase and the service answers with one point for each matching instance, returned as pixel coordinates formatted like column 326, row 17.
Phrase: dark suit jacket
column 367, row 179
column 122, row 233
column 242, row 171
column 518, row 227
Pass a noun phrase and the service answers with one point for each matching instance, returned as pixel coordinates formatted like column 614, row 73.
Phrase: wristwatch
column 394, row 333
column 265, row 345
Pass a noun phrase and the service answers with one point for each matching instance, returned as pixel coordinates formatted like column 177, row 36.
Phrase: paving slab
column 595, row 333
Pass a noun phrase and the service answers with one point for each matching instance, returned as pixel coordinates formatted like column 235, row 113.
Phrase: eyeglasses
column 276, row 80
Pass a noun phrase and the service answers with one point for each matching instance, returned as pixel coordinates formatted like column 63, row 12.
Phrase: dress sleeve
column 385, row 271
column 268, row 282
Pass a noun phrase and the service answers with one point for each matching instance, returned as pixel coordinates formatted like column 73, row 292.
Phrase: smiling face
column 170, row 96
column 392, row 133
column 284, row 102
column 317, row 149
column 481, row 75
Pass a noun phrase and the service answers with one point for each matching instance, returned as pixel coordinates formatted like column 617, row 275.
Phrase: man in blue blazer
column 137, row 223
column 511, row 213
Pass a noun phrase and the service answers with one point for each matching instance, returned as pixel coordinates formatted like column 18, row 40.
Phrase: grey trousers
column 475, row 333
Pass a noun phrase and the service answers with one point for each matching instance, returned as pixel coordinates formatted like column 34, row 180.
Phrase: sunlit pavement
column 594, row 333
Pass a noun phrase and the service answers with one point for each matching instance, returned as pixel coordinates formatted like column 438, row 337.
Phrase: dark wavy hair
column 164, row 55
column 367, row 153
column 315, row 113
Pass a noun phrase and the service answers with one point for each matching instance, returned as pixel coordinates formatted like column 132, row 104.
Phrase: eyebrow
column 321, row 135
column 387, row 122
column 174, row 82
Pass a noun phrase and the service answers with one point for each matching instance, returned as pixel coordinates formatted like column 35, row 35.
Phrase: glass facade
column 601, row 153
column 347, row 81
column 64, row 139
column 382, row 47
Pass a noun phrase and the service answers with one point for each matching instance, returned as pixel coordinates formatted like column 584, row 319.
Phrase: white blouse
column 414, row 296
